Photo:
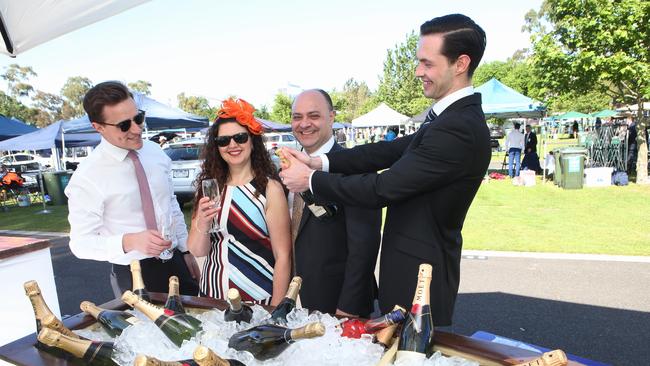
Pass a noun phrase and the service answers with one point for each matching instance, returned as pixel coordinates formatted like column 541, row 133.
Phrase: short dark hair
column 103, row 94
column 517, row 125
column 328, row 99
column 461, row 37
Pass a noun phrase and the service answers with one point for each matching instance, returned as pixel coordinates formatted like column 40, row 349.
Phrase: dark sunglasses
column 240, row 138
column 126, row 124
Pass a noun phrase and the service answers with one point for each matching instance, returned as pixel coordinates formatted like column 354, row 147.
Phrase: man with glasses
column 121, row 202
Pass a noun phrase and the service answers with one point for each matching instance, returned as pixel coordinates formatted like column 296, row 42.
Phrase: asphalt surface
column 598, row 310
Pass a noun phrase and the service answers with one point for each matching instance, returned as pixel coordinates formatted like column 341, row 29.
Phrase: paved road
column 596, row 309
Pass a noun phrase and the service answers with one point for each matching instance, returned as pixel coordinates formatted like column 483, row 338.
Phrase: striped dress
column 240, row 254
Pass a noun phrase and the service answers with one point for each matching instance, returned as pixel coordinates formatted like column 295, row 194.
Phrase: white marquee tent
column 383, row 115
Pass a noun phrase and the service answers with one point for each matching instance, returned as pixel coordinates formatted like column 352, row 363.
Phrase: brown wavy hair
column 214, row 167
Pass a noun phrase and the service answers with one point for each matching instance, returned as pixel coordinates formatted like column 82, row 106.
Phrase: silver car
column 185, row 167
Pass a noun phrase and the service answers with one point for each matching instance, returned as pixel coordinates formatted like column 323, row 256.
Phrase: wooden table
column 22, row 351
column 23, row 259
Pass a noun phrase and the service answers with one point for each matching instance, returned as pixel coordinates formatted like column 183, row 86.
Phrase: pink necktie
column 145, row 193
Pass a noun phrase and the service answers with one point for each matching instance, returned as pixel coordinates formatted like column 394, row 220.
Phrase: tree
column 597, row 43
column 281, row 111
column 398, row 87
column 17, row 77
column 49, row 108
column 12, row 107
column 196, row 105
column 140, row 86
column 73, row 92
column 262, row 112
column 353, row 97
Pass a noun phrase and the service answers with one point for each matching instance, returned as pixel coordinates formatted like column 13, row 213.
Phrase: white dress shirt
column 321, row 151
column 515, row 139
column 104, row 202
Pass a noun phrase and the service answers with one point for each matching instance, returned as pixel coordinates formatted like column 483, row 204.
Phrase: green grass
column 543, row 218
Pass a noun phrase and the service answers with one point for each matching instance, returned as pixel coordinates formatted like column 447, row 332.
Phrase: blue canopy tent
column 49, row 137
column 10, row 128
column 159, row 117
column 501, row 101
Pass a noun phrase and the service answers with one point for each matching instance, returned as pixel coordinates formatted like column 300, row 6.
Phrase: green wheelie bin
column 572, row 162
column 55, row 183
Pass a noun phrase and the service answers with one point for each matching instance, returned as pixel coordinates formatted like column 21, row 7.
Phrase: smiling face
column 235, row 154
column 113, row 114
column 433, row 68
column 311, row 120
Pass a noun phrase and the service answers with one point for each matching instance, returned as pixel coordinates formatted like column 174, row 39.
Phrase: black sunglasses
column 240, row 138
column 126, row 124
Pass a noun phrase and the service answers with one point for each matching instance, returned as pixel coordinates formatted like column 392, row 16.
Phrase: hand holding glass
column 167, row 229
column 211, row 190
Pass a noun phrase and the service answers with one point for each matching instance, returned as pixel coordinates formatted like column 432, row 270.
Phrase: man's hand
column 195, row 272
column 148, row 242
column 315, row 163
column 295, row 174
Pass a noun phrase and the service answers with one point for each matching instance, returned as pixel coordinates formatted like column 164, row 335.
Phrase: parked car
column 186, row 165
column 274, row 140
column 496, row 132
column 24, row 162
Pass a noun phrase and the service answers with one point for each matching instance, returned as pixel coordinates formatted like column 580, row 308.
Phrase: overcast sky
column 252, row 49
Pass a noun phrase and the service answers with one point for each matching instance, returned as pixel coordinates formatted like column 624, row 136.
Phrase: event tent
column 10, row 127
column 25, row 24
column 158, row 117
column 47, row 138
column 501, row 101
column 605, row 113
column 383, row 115
column 572, row 115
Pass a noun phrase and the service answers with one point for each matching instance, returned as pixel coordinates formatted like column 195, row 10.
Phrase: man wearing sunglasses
column 121, row 200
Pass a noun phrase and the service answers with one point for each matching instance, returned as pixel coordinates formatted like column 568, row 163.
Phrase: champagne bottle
column 279, row 314
column 177, row 327
column 142, row 360
column 237, row 311
column 42, row 312
column 384, row 337
column 552, row 358
column 416, row 337
column 320, row 212
column 138, row 282
column 92, row 353
column 203, row 356
column 113, row 321
column 267, row 340
column 174, row 302
column 354, row 328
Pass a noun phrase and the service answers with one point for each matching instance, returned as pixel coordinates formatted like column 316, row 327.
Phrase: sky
column 254, row 48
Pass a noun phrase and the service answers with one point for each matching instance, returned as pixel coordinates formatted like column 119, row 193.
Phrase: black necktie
column 430, row 116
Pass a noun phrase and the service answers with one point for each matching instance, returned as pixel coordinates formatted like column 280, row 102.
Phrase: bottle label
column 410, row 357
column 318, row 211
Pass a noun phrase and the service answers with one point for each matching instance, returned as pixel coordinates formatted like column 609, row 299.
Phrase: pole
column 40, row 182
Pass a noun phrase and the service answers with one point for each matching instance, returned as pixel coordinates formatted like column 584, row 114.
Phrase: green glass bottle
column 174, row 302
column 237, row 312
column 177, row 327
column 92, row 353
column 279, row 314
column 203, row 356
column 138, row 282
column 416, row 337
column 268, row 340
column 142, row 360
column 113, row 321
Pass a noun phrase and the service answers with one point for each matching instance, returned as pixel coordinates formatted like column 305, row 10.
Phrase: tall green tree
column 140, row 86
column 12, row 107
column 597, row 43
column 281, row 110
column 73, row 92
column 196, row 105
column 262, row 112
column 17, row 78
column 354, row 95
column 49, row 108
column 398, row 86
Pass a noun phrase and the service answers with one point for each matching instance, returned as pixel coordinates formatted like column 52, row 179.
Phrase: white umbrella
column 25, row 24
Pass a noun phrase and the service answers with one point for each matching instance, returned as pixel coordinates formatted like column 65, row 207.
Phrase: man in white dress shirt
column 116, row 212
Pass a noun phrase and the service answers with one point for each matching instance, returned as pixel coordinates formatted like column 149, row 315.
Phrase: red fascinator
column 242, row 111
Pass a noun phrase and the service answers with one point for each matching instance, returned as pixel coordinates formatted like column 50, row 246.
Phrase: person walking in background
column 335, row 256
column 251, row 251
column 121, row 198
column 514, row 146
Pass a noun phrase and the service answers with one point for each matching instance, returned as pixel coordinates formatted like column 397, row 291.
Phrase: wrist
column 195, row 227
column 316, row 163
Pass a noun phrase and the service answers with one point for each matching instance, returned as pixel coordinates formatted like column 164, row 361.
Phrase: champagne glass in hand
column 167, row 228
column 211, row 190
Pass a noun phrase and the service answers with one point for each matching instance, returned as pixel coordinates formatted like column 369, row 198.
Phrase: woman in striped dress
column 252, row 250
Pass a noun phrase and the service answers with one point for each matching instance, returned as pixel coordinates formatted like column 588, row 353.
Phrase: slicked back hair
column 107, row 93
column 461, row 37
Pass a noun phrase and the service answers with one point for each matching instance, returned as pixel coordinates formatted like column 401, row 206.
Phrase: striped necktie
column 430, row 116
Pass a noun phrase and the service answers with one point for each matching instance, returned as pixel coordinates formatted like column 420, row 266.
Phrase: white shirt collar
column 445, row 102
column 325, row 148
column 117, row 153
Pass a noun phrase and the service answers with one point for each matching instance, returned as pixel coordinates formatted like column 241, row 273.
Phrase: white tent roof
column 28, row 23
column 383, row 115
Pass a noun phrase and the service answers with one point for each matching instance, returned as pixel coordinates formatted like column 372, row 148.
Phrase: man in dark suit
column 335, row 255
column 531, row 159
column 530, row 139
column 432, row 176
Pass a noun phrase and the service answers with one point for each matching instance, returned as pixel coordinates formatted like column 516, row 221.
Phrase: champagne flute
column 211, row 190
column 167, row 228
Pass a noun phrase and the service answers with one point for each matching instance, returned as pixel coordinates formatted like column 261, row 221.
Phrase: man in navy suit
column 426, row 180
